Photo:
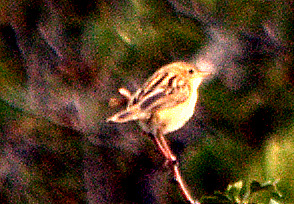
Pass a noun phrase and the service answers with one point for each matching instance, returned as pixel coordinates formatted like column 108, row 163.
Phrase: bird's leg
column 170, row 156
column 160, row 146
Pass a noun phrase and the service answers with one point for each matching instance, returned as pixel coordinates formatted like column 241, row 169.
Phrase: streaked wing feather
column 172, row 97
column 148, row 88
column 161, row 91
column 145, row 104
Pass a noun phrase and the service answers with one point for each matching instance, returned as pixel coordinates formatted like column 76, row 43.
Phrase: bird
column 166, row 101
column 164, row 104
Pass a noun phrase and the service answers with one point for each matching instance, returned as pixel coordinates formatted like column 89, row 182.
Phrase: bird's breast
column 174, row 118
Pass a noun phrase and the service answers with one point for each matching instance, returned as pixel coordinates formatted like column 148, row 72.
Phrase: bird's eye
column 191, row 71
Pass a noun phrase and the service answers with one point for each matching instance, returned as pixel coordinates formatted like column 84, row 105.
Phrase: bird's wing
column 161, row 91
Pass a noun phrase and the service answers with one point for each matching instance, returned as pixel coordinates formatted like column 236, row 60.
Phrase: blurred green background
column 61, row 62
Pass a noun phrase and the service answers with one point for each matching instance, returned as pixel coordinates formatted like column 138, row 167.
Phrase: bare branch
column 171, row 160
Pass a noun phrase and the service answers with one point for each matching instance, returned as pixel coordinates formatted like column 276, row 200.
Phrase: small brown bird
column 166, row 101
column 164, row 104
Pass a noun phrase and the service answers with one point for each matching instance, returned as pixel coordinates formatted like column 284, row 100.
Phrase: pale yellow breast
column 173, row 118
column 176, row 117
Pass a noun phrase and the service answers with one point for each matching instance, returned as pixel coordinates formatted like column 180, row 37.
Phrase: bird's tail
column 125, row 116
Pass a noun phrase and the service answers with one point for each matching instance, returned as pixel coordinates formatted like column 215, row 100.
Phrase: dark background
column 62, row 61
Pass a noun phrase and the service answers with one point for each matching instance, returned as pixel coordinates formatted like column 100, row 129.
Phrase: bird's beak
column 204, row 73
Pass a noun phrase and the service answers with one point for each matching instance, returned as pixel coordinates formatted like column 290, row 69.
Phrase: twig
column 174, row 165
column 182, row 185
